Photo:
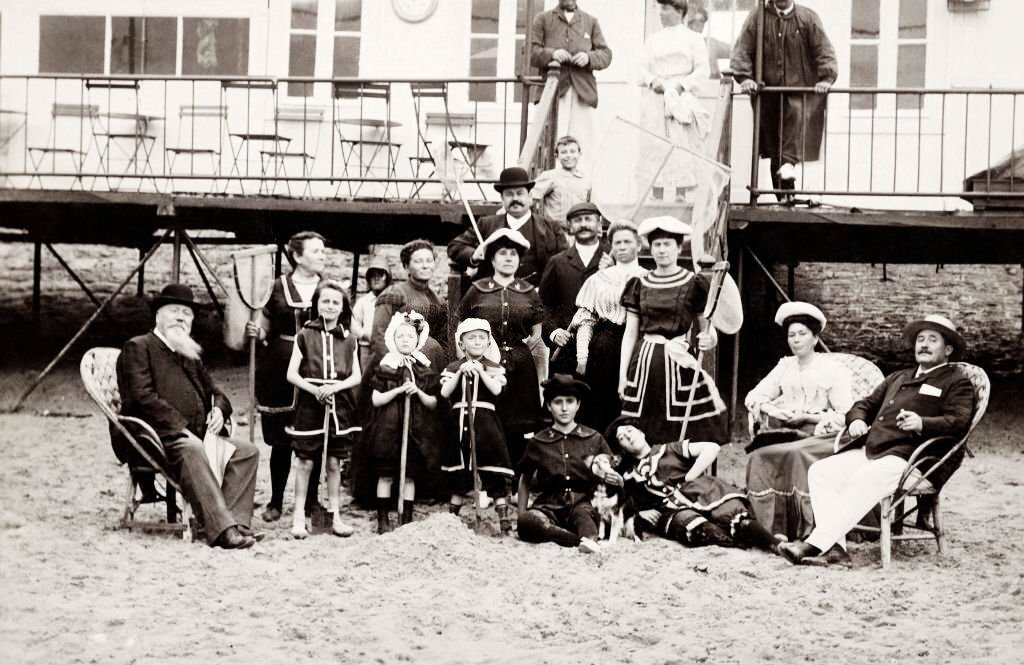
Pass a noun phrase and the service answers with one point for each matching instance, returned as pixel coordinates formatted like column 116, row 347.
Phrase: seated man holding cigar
column 909, row 407
column 162, row 380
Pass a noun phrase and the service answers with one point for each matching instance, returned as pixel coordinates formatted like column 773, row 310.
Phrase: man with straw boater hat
column 910, row 406
column 162, row 380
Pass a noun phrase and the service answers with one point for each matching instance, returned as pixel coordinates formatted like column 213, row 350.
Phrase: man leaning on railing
column 796, row 53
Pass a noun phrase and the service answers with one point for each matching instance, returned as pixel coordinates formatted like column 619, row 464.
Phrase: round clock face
column 414, row 11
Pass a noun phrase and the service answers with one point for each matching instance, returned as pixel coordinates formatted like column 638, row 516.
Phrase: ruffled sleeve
column 837, row 382
column 767, row 388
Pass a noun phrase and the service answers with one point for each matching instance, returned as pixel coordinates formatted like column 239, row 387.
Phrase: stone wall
column 866, row 313
column 64, row 307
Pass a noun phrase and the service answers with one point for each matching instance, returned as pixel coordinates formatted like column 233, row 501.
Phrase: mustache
column 181, row 342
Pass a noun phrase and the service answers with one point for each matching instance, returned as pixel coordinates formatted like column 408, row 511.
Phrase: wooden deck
column 133, row 219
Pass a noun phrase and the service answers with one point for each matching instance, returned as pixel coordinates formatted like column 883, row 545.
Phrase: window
column 888, row 50
column 348, row 19
column 215, row 46
column 337, row 23
column 494, row 46
column 71, row 44
column 143, row 45
column 911, row 53
column 483, row 49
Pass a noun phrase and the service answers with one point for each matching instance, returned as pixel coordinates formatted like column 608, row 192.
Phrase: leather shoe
column 233, row 539
column 257, row 536
column 835, row 556
column 796, row 551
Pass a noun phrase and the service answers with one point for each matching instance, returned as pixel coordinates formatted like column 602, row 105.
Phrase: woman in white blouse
column 673, row 70
column 802, row 402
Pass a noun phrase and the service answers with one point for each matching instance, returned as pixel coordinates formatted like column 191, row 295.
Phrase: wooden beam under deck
column 131, row 219
column 780, row 234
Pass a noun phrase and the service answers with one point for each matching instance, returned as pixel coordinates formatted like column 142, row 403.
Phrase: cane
column 471, row 386
column 719, row 269
column 403, row 456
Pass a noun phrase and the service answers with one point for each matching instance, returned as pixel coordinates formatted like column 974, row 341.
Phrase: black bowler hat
column 584, row 208
column 176, row 294
column 513, row 176
column 564, row 385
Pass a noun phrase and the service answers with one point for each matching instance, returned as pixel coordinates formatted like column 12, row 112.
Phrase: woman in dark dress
column 290, row 306
column 656, row 372
column 514, row 311
column 414, row 294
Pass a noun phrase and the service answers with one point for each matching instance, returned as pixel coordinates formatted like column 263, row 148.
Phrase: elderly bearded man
column 163, row 381
column 909, row 407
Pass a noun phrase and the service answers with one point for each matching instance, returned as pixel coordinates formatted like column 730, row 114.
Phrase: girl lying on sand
column 672, row 497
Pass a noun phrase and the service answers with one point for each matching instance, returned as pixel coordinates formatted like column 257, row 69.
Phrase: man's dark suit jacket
column 944, row 398
column 545, row 242
column 560, row 284
column 168, row 391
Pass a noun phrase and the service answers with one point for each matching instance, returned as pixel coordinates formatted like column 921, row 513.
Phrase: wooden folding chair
column 99, row 376
column 928, row 469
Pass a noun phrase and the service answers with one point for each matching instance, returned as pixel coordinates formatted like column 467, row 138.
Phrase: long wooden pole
column 253, row 316
column 404, row 455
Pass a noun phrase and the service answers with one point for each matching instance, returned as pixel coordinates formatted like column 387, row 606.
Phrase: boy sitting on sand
column 555, row 468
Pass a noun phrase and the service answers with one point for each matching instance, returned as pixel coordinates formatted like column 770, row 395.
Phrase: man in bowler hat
column 514, row 185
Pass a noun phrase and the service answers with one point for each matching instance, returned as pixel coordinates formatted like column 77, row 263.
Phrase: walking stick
column 403, row 457
column 319, row 519
column 719, row 269
column 471, row 409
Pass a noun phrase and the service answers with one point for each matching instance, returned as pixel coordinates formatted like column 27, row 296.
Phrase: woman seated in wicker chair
column 795, row 413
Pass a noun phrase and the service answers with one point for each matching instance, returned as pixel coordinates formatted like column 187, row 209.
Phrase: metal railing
column 345, row 138
column 886, row 143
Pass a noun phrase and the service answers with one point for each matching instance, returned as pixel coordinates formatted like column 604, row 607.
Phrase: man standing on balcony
column 796, row 53
column 574, row 40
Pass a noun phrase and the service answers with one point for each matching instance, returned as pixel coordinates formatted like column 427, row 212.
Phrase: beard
column 181, row 342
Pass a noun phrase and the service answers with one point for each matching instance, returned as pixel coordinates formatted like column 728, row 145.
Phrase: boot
column 383, row 521
column 504, row 512
column 406, row 513
column 748, row 532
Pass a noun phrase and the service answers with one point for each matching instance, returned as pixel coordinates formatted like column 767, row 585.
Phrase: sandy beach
column 77, row 589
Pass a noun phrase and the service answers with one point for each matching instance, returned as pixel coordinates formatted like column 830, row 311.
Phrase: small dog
column 607, row 498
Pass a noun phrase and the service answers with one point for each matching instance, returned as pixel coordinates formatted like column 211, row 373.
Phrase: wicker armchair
column 99, row 376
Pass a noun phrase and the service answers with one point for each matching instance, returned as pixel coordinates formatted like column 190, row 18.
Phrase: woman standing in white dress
column 673, row 69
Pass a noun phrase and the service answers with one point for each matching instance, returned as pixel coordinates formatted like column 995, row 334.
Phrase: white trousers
column 844, row 488
column 578, row 120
